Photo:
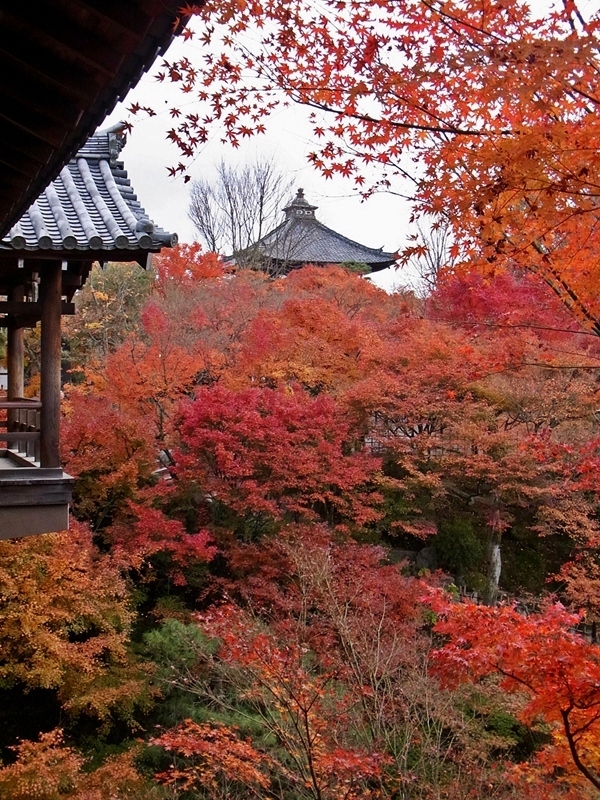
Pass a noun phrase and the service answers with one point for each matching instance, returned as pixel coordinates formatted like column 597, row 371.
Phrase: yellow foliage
column 50, row 770
column 64, row 624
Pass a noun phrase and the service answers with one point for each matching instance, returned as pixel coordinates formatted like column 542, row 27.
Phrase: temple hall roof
column 65, row 64
column 90, row 206
column 302, row 239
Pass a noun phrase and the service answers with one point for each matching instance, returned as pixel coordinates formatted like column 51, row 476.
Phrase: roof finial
column 299, row 207
column 117, row 139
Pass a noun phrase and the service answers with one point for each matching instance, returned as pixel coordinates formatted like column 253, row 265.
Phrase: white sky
column 380, row 221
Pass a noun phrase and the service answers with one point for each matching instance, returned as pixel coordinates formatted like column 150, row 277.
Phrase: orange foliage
column 488, row 399
column 494, row 101
column 222, row 759
column 303, row 708
column 51, row 770
column 64, row 624
column 280, row 428
column 538, row 655
column 186, row 264
column 44, row 770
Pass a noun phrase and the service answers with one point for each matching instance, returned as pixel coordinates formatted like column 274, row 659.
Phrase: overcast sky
column 380, row 221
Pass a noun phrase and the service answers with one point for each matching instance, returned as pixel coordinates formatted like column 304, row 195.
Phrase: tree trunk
column 494, row 570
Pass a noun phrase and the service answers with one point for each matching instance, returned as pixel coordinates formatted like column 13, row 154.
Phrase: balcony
column 33, row 499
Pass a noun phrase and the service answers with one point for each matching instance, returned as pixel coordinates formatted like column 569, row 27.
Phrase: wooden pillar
column 15, row 353
column 50, row 296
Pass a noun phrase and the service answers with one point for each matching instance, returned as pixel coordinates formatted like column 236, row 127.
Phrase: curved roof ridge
column 117, row 197
column 108, row 219
column 91, row 206
column 68, row 237
column 89, row 229
column 379, row 250
column 39, row 226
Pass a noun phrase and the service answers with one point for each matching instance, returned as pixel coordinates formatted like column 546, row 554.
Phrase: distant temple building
column 301, row 239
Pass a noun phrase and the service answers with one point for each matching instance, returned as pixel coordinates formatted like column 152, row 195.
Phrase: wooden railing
column 20, row 426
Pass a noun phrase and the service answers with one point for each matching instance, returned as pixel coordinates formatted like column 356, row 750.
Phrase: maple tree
column 263, row 451
column 324, row 673
column 225, row 762
column 225, row 454
column 50, row 769
column 184, row 265
column 487, row 112
column 453, row 414
column 537, row 655
column 65, row 620
column 110, row 452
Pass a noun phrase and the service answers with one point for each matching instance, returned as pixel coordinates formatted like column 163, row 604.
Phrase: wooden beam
column 16, row 45
column 50, row 291
column 31, row 146
column 19, row 115
column 19, row 436
column 24, row 403
column 41, row 123
column 42, row 95
column 126, row 15
column 10, row 158
column 26, row 309
column 86, row 256
column 64, row 36
column 71, row 279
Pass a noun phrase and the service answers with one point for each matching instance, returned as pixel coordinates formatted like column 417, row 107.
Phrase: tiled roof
column 65, row 64
column 301, row 238
column 90, row 206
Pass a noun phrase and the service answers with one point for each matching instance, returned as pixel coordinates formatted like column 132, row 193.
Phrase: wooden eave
column 64, row 65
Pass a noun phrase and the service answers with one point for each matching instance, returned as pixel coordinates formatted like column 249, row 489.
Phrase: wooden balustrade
column 20, row 427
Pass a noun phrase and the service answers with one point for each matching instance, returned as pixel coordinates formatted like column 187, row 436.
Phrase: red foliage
column 97, row 436
column 276, row 452
column 218, row 757
column 507, row 303
column 303, row 708
column 537, row 655
column 150, row 532
column 183, row 266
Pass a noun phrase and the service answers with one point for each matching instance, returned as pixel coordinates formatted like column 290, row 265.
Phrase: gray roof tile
column 91, row 205
column 301, row 238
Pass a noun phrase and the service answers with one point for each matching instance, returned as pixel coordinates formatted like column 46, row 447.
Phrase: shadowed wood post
column 50, row 292
column 15, row 357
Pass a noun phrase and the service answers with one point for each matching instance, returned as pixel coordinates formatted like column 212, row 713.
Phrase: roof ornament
column 117, row 139
column 300, row 207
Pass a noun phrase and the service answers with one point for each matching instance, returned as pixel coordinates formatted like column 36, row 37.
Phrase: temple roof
column 302, row 239
column 65, row 64
column 90, row 206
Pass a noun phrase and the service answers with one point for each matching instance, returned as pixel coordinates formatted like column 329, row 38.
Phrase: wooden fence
column 20, row 427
